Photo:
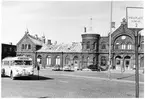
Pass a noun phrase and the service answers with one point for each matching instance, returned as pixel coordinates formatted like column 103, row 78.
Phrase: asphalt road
column 60, row 84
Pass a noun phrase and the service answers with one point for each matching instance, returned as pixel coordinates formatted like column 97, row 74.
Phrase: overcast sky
column 61, row 21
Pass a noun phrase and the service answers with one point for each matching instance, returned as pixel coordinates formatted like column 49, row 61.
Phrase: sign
column 134, row 16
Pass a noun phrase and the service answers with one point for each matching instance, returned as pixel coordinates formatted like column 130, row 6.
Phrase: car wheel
column 12, row 77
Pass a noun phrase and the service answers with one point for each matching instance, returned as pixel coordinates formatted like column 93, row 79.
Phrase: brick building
column 93, row 50
column 8, row 50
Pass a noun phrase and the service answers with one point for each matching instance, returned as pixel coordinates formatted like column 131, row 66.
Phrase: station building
column 93, row 50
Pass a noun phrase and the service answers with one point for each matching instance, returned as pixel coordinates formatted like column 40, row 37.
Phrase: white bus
column 17, row 66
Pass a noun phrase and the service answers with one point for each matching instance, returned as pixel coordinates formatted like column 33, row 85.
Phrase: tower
column 90, row 40
column 90, row 47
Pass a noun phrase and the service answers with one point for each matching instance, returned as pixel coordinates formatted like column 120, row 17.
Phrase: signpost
column 134, row 16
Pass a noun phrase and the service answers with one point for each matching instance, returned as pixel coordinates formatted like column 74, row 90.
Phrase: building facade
column 8, row 50
column 93, row 50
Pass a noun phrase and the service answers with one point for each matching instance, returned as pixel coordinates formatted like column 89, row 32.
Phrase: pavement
column 115, row 75
column 66, row 84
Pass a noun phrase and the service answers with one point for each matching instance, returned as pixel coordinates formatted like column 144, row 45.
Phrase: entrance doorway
column 118, row 62
column 127, row 62
column 76, row 62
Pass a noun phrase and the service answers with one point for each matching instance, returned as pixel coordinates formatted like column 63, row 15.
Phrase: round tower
column 90, row 42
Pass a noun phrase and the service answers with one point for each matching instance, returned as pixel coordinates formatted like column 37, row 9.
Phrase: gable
column 122, row 30
column 24, row 39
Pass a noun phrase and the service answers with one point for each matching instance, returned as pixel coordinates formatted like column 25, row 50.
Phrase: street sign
column 134, row 16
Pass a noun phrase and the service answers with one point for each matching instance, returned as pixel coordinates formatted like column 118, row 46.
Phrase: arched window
column 103, row 46
column 29, row 46
column 88, row 63
column 58, row 60
column 88, row 45
column 103, row 61
column 123, row 46
column 94, row 61
column 39, row 59
column 129, row 46
column 67, row 60
column 94, row 45
column 117, row 46
column 48, row 60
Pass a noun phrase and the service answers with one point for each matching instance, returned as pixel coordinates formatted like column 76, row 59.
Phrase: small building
column 8, row 50
column 93, row 50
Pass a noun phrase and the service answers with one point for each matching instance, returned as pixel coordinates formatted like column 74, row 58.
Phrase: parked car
column 86, row 69
column 68, row 68
column 57, row 68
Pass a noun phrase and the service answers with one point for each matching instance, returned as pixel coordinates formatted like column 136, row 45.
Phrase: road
column 60, row 84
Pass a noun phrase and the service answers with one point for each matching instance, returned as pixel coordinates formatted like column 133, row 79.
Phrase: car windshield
column 21, row 62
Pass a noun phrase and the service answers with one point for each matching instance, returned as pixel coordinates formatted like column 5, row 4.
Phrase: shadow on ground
column 34, row 77
column 126, row 76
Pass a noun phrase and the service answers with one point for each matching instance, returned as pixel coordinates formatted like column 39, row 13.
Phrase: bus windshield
column 21, row 62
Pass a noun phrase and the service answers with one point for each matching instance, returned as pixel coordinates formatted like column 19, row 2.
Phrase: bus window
column 11, row 63
column 27, row 62
column 18, row 62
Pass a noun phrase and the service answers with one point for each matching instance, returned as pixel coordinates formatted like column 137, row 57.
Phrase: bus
column 17, row 67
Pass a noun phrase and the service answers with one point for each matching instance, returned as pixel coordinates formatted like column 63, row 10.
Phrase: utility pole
column 109, row 63
column 136, row 64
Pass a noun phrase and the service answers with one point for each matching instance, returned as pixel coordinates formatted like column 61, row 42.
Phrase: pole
column 136, row 64
column 110, row 43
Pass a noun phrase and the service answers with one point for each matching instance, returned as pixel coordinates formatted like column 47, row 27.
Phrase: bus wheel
column 12, row 77
column 3, row 72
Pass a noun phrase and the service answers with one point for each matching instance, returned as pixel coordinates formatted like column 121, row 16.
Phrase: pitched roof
column 74, row 47
column 36, row 41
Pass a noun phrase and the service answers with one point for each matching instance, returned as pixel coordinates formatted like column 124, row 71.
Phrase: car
column 86, row 69
column 68, row 68
column 56, row 68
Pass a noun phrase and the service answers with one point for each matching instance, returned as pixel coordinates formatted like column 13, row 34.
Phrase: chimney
column 48, row 42
column 43, row 39
column 10, row 43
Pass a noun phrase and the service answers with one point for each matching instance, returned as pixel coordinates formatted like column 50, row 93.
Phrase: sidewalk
column 128, row 76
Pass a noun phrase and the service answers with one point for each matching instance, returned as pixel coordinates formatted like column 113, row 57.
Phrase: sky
column 61, row 21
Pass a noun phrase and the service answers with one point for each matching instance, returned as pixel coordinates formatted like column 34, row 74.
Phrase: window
column 103, row 61
column 94, row 46
column 123, row 46
column 29, row 46
column 94, row 61
column 88, row 61
column 103, row 46
column 88, row 45
column 49, row 60
column 22, row 46
column 25, row 46
column 129, row 46
column 58, row 60
column 67, row 60
column 118, row 62
column 117, row 46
